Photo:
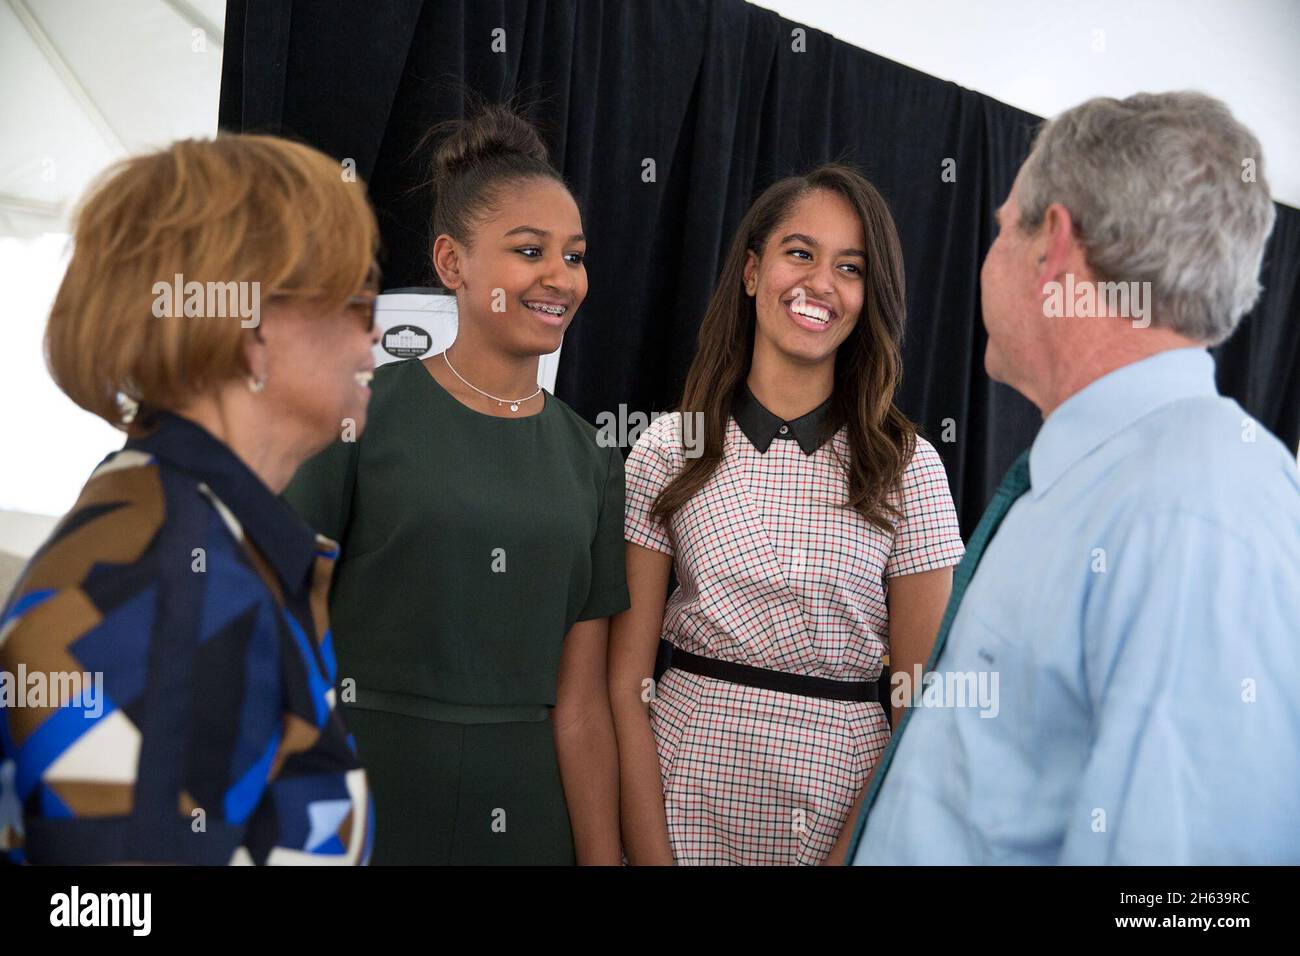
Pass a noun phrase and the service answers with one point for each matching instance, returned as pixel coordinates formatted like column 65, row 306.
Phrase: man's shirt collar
column 761, row 426
column 1107, row 406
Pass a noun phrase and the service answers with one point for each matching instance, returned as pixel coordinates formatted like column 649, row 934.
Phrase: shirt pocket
column 990, row 687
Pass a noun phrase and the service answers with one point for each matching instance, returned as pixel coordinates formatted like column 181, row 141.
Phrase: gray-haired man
column 1138, row 583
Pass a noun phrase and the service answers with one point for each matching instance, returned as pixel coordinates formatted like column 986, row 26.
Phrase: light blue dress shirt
column 1138, row 615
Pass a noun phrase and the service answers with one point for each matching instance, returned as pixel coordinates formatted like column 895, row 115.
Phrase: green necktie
column 1014, row 484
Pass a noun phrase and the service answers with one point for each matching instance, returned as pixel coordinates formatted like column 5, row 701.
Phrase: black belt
column 851, row 690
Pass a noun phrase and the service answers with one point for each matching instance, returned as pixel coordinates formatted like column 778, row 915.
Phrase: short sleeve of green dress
column 470, row 545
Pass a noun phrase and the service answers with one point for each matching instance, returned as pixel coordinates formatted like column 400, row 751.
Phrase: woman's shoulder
column 924, row 455
column 125, row 527
column 922, row 464
column 664, row 434
column 145, row 535
column 581, row 433
column 395, row 377
column 402, row 392
column 925, row 484
column 139, row 486
column 109, row 532
column 390, row 372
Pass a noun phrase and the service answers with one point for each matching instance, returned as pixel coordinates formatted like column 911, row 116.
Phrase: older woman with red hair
column 219, row 308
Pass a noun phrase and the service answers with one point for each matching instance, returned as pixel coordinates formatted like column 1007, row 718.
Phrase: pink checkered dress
column 772, row 574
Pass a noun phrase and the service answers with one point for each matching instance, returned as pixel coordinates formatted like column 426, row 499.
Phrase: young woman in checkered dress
column 811, row 530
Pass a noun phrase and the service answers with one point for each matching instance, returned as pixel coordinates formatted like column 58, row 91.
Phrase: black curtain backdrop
column 713, row 92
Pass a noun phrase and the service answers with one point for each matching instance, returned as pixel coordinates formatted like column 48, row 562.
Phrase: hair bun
column 492, row 131
column 476, row 157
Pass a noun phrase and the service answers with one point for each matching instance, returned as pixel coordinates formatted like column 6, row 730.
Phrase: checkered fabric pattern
column 773, row 573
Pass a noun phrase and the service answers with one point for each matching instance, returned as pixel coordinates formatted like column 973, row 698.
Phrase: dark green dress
column 469, row 546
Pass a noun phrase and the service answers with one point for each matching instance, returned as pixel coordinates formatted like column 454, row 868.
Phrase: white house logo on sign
column 103, row 909
column 413, row 324
column 406, row 341
column 417, row 323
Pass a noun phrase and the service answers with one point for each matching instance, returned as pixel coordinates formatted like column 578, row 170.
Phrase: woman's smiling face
column 809, row 284
column 523, row 273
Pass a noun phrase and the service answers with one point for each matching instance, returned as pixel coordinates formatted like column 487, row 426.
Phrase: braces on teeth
column 549, row 309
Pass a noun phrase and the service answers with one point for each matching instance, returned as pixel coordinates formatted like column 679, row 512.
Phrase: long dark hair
column 868, row 364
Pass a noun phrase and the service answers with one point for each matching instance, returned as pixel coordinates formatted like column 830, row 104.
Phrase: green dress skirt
column 470, row 545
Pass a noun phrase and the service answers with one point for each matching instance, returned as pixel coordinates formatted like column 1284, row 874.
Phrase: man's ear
column 446, row 262
column 1055, row 243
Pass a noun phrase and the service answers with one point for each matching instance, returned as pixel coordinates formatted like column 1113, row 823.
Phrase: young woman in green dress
column 481, row 528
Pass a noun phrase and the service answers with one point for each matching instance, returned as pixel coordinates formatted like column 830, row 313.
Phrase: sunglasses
column 367, row 304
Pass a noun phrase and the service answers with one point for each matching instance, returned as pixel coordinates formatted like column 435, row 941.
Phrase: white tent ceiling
column 89, row 81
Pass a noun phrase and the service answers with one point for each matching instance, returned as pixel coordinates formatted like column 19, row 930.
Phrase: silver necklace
column 514, row 405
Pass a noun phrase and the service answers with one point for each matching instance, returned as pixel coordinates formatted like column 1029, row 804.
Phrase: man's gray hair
column 1166, row 188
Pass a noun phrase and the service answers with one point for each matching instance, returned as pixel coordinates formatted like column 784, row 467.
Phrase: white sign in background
column 416, row 325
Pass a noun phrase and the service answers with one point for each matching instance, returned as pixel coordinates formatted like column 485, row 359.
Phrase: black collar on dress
column 284, row 538
column 761, row 426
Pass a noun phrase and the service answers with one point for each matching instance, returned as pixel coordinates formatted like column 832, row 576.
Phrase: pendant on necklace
column 514, row 406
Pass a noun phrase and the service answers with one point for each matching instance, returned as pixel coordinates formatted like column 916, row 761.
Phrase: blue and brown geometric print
column 214, row 679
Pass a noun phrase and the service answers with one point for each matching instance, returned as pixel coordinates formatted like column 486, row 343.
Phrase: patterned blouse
column 774, row 574
column 176, row 701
